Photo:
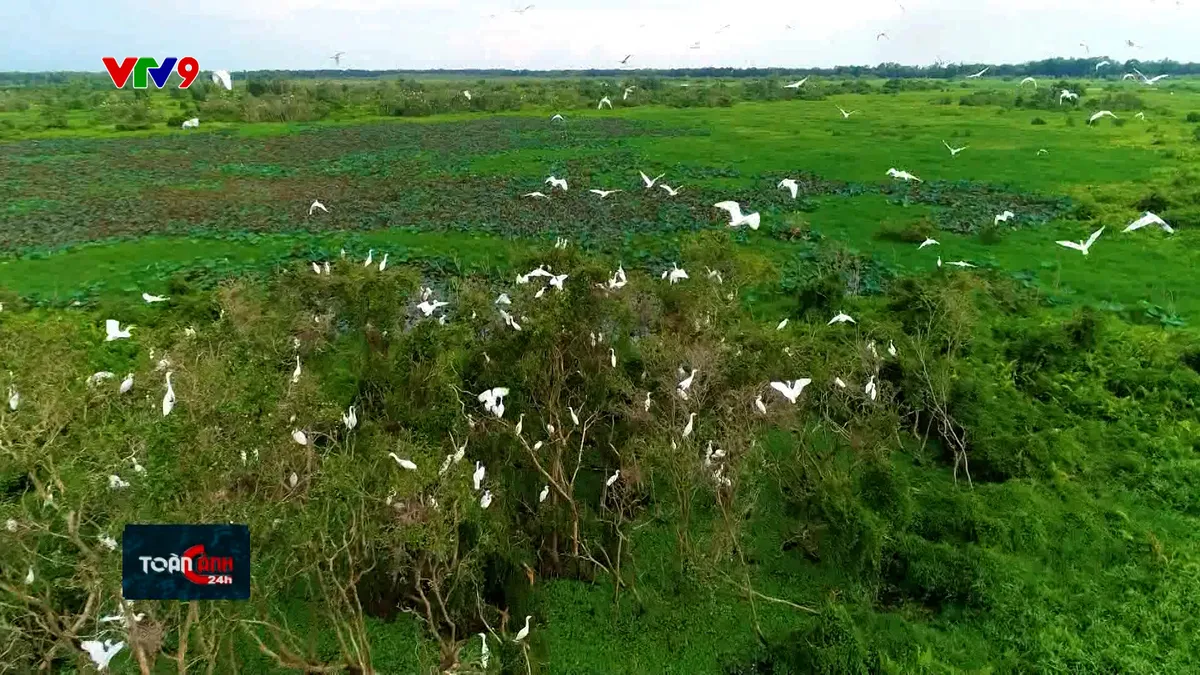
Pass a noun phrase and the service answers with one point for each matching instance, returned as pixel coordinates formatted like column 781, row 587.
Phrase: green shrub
column 1037, row 122
column 1193, row 117
column 910, row 232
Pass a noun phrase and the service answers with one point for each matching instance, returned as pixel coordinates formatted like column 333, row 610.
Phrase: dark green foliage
column 1193, row 117
column 1037, row 122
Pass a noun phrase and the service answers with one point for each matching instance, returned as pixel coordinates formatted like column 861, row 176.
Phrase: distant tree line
column 1055, row 67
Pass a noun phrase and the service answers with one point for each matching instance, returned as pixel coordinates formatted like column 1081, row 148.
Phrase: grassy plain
column 850, row 538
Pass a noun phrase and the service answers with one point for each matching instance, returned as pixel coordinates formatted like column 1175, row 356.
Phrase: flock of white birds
column 492, row 400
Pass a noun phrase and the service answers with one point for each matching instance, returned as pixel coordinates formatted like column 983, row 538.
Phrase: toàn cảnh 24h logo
column 147, row 68
column 185, row 562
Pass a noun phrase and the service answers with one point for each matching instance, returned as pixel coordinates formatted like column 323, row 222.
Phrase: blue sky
column 376, row 34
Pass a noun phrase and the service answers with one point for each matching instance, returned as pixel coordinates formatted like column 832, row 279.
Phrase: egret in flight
column 1082, row 246
column 954, row 151
column 790, row 184
column 670, row 190
column 841, row 318
column 675, row 274
column 317, row 205
column 903, row 175
column 151, row 299
column 650, row 181
column 1003, row 217
column 1149, row 219
column 101, row 653
column 929, row 242
column 560, row 183
column 796, row 85
column 603, row 193
column 535, row 195
column 791, row 390
column 1102, row 113
column 628, row 91
column 112, row 329
column 846, row 113
column 980, row 73
column 604, row 101
column 736, row 218
column 222, row 78
column 1067, row 95
column 1028, row 79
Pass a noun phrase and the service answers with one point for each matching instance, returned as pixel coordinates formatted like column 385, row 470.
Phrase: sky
column 49, row 35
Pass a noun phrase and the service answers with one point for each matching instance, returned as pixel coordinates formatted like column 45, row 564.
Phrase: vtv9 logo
column 141, row 67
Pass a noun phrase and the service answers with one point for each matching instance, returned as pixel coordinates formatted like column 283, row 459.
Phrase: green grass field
column 1020, row 497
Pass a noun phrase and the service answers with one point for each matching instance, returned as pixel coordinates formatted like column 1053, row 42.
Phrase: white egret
column 29, row 578
column 1067, row 95
column 687, row 429
column 350, row 419
column 14, row 398
column 980, row 73
column 557, row 281
column 151, row 299
column 466, row 94
column 841, row 318
column 612, row 357
column 618, row 279
column 791, row 390
column 112, row 329
column 429, row 307
column 790, row 184
column 193, row 123
column 1128, row 76
column 871, row 390
column 557, row 118
column 493, row 400
column 1003, row 217
column 168, row 402
column 316, row 268
column 510, row 321
column 797, row 84
column 477, row 477
column 838, row 382
column 675, row 274
column 929, row 242
column 1028, row 79
column 404, row 463
column 782, row 324
column 574, row 417
column 736, row 218
column 317, row 205
column 670, row 190
column 650, row 181
column 101, row 653
column 370, row 258
column 300, row 437
column 116, row 483
column 535, row 195
column 543, row 494
column 560, row 183
column 1082, row 246
column 954, row 151
column 1102, row 113
column 604, row 193
column 1148, row 219
column 892, row 349
column 127, row 383
column 613, row 478
column 293, row 480
column 685, row 383
column 758, row 403
column 903, row 175
column 846, row 113
column 483, row 651
column 957, row 263
column 189, row 332
column 714, row 274
column 520, row 423
column 108, row 543
column 603, row 102
column 95, row 378
column 1141, row 116
column 524, row 632
column 383, row 263
column 337, row 58
column 628, row 90
column 296, row 372
column 503, row 299
column 222, row 78
column 646, row 404
column 1043, row 151
column 1101, row 65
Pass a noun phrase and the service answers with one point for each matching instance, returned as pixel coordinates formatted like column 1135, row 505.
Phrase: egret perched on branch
column 524, row 632
column 350, row 419
column 112, row 329
column 929, row 242
column 736, row 218
column 317, row 205
column 151, row 299
column 871, row 390
column 486, row 500
column 1102, row 113
column 791, row 390
column 483, row 651
column 683, row 386
column 714, row 274
column 613, row 478
column 168, row 402
column 466, row 94
column 759, row 405
column 797, row 84
column 477, row 477
column 543, row 494
column 841, row 318
column 954, row 151
column 646, row 405
column 404, row 463
column 675, row 274
column 493, row 400
column 846, row 113
column 650, row 181
column 1082, row 245
column 1148, row 219
column 296, row 372
column 789, row 183
column 687, row 429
